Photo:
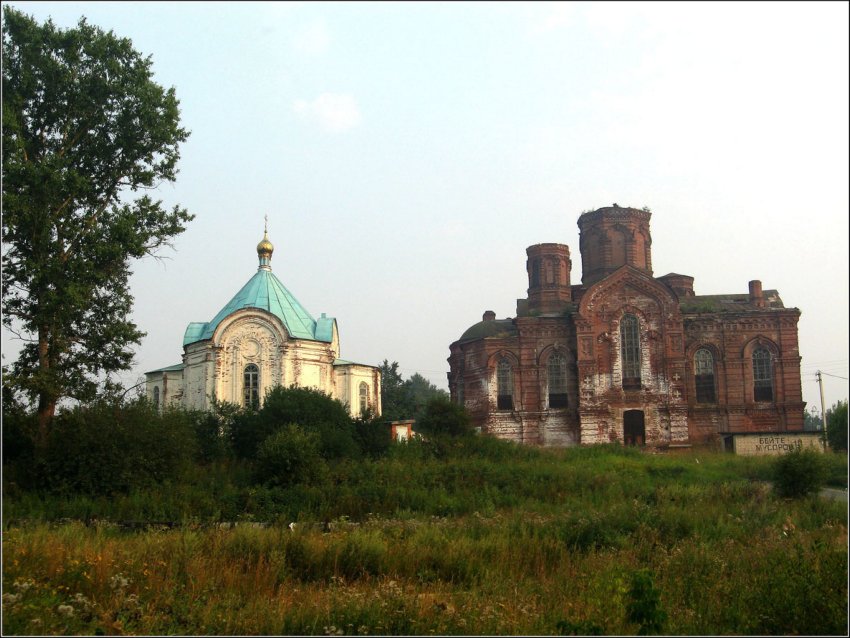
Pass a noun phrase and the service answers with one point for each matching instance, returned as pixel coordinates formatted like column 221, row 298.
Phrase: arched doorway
column 634, row 432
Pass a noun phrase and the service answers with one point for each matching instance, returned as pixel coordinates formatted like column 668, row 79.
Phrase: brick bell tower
column 548, row 269
column 613, row 237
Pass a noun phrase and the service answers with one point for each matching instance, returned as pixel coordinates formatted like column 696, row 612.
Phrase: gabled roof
column 264, row 291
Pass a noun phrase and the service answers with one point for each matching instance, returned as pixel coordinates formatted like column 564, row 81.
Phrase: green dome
column 491, row 328
column 265, row 292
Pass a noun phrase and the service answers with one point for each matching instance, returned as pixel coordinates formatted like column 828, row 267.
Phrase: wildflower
column 36, row 622
column 65, row 610
column 11, row 599
column 23, row 585
column 118, row 582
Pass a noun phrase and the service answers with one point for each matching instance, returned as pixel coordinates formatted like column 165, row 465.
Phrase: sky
column 407, row 153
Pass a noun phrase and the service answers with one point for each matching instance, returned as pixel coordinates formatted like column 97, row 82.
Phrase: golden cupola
column 265, row 249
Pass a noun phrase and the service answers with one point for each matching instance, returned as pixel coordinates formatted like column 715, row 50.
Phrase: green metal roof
column 493, row 328
column 264, row 291
column 174, row 368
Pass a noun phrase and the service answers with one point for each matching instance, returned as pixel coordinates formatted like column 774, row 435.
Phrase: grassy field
column 487, row 538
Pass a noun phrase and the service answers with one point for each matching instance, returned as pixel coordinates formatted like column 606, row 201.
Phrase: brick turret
column 612, row 237
column 548, row 269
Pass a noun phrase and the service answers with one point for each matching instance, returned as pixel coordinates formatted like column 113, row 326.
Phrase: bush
column 289, row 456
column 836, row 427
column 644, row 604
column 213, row 431
column 313, row 410
column 442, row 417
column 373, row 436
column 109, row 448
column 798, row 473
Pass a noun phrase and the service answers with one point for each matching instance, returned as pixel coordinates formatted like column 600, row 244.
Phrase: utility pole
column 822, row 408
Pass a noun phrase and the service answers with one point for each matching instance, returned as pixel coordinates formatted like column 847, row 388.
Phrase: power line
column 833, row 375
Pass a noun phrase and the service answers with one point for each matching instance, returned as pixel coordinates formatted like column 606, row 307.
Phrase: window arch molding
column 544, row 359
column 363, row 396
column 506, row 386
column 760, row 372
column 704, row 370
column 251, row 386
column 719, row 370
column 632, row 351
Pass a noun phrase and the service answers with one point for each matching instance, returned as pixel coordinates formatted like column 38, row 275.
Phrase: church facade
column 625, row 356
column 262, row 338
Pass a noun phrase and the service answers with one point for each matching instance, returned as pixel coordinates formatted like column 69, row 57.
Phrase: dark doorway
column 634, row 432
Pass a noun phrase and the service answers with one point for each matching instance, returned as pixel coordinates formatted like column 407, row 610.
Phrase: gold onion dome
column 265, row 248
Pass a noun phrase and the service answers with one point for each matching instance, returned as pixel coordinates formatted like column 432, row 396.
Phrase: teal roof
column 174, row 368
column 265, row 292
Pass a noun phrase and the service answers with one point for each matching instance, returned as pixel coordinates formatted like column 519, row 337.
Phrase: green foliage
column 394, row 400
column 836, row 426
column 580, row 628
column 800, row 472
column 644, row 604
column 289, row 456
column 812, row 422
column 107, row 449
column 213, row 431
column 84, row 127
column 420, row 392
column 405, row 399
column 313, row 410
column 372, row 434
column 443, row 417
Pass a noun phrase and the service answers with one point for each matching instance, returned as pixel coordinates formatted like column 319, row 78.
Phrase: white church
column 260, row 339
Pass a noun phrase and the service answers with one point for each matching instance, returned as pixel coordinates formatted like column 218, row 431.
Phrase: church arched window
column 156, row 397
column 704, row 376
column 630, row 352
column 505, row 386
column 557, row 374
column 762, row 375
column 364, row 397
column 251, row 387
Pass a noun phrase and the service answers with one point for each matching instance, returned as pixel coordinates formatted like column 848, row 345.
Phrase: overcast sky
column 406, row 155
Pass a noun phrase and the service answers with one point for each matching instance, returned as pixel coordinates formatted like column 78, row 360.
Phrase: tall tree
column 394, row 399
column 85, row 128
column 419, row 392
column 836, row 426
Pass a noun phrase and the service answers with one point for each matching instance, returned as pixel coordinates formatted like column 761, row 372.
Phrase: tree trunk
column 46, row 399
column 46, row 410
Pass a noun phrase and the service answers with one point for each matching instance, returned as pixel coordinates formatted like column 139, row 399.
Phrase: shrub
column 372, row 435
column 579, row 628
column 799, row 473
column 289, row 456
column 644, row 605
column 311, row 409
column 442, row 417
column 108, row 448
column 213, row 431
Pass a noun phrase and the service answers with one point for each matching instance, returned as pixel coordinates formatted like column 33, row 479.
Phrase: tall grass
column 491, row 540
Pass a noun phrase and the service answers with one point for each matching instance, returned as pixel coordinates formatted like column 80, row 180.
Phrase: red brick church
column 625, row 356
